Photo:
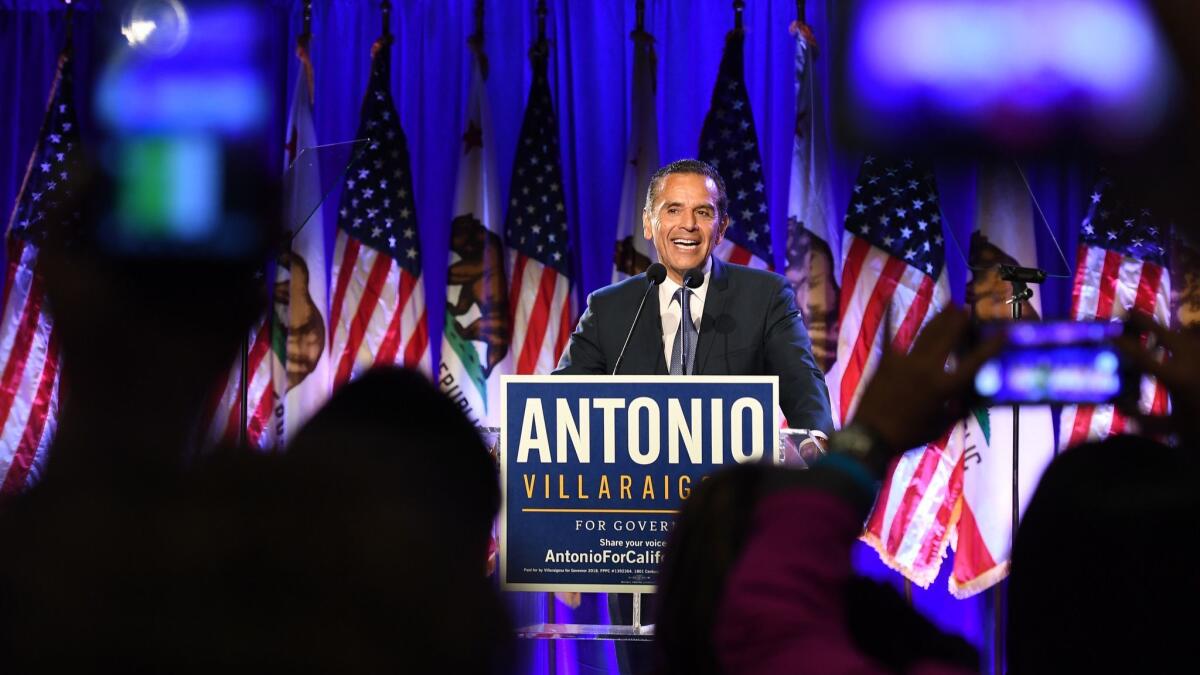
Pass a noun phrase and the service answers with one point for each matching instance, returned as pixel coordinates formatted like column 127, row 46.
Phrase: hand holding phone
column 1056, row 362
column 1178, row 370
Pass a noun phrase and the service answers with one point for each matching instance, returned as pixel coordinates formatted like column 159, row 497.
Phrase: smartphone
column 183, row 108
column 1006, row 74
column 1056, row 362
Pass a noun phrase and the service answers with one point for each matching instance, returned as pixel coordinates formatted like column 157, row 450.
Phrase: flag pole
column 540, row 50
column 475, row 41
column 541, row 47
column 69, row 19
column 386, row 7
column 1018, row 277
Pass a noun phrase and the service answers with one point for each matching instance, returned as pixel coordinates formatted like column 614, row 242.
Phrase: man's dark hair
column 689, row 166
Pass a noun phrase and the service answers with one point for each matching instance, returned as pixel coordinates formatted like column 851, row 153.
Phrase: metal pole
column 637, row 611
column 1021, row 293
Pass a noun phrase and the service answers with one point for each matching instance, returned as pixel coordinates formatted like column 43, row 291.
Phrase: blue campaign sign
column 594, row 468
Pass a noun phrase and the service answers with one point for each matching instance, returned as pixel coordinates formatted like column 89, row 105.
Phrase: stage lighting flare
column 158, row 27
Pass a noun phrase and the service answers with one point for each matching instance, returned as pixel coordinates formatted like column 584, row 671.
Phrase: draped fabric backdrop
column 590, row 64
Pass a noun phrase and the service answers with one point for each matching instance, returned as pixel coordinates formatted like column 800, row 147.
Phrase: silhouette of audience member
column 364, row 552
column 396, row 426
column 1104, row 578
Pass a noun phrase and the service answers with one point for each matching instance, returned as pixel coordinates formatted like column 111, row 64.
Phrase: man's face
column 683, row 222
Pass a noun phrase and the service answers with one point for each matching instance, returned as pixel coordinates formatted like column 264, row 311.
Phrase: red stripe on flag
column 1159, row 405
column 852, row 268
column 739, row 255
column 564, row 327
column 875, row 522
column 1147, row 292
column 261, row 417
column 349, row 260
column 934, row 540
column 932, row 546
column 912, row 494
column 258, row 350
column 417, row 342
column 535, row 327
column 1108, row 285
column 14, row 369
column 1077, row 289
column 35, row 426
column 362, row 317
column 916, row 316
column 971, row 555
column 391, row 340
column 1117, row 426
column 881, row 296
column 1083, row 422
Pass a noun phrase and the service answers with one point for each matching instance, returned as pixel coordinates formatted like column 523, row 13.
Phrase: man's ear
column 721, row 227
column 647, row 226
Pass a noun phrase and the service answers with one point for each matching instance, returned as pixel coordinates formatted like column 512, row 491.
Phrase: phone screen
column 1055, row 362
column 183, row 105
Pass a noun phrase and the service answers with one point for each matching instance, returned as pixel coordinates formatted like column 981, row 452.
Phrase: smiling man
column 741, row 321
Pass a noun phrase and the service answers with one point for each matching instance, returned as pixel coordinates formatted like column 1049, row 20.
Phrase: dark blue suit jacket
column 751, row 326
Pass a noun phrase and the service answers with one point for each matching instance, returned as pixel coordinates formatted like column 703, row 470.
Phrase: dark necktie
column 683, row 353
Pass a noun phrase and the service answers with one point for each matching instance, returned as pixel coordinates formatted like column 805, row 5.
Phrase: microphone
column 655, row 274
column 694, row 278
column 1027, row 275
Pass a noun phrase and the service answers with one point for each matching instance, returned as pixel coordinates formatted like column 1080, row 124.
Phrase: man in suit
column 742, row 321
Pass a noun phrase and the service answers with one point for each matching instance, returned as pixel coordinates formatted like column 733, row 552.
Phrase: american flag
column 893, row 281
column 729, row 143
column 1120, row 268
column 536, row 232
column 29, row 347
column 378, row 308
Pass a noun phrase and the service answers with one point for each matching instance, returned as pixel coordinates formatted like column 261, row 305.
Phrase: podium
column 594, row 468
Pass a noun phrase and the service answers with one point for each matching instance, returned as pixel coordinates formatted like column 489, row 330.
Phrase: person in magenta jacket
column 757, row 578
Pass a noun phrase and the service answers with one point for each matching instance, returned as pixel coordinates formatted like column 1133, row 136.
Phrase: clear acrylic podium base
column 586, row 631
column 593, row 631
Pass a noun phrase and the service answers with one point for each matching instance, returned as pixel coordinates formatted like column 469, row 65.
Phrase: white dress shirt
column 671, row 312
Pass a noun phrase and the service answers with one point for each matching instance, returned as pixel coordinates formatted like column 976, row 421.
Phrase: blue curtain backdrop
column 590, row 64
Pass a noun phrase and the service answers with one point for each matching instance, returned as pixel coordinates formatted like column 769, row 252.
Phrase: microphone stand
column 650, row 286
column 1020, row 278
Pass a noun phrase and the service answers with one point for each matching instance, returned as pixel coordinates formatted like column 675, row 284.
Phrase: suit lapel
column 653, row 332
column 714, row 306
column 645, row 353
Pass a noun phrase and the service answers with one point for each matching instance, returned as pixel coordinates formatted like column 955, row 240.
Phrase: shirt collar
column 667, row 289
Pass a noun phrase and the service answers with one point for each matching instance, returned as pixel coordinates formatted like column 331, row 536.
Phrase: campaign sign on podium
column 594, row 469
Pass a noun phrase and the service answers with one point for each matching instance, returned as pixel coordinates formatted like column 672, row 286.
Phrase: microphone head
column 693, row 278
column 656, row 273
